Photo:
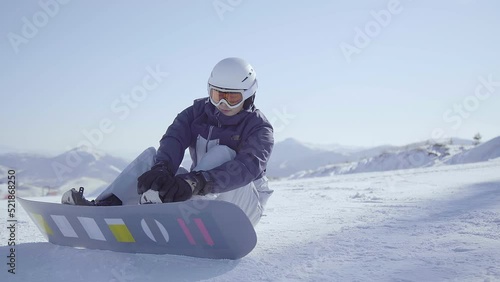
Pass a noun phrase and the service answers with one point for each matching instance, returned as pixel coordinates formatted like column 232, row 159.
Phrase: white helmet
column 234, row 74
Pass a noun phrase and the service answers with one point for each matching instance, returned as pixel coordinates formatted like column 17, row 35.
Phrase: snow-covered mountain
column 416, row 155
column 39, row 174
column 483, row 152
column 291, row 156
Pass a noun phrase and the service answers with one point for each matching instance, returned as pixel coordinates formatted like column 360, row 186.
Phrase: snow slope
column 483, row 152
column 426, row 224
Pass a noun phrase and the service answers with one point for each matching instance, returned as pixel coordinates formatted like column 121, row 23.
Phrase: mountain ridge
column 291, row 158
column 414, row 155
column 37, row 173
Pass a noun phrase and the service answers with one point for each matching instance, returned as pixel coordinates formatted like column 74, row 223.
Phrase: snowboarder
column 229, row 140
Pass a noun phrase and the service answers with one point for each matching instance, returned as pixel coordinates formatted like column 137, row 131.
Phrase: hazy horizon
column 130, row 155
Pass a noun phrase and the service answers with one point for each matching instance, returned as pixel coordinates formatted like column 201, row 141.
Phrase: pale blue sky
column 416, row 75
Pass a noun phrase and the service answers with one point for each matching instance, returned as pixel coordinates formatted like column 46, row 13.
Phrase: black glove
column 155, row 179
column 184, row 186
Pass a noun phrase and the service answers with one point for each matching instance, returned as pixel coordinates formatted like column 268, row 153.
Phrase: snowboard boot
column 73, row 197
column 111, row 200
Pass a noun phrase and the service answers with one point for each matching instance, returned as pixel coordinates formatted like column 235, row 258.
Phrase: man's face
column 223, row 108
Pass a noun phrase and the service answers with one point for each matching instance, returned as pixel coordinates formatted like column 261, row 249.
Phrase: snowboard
column 198, row 228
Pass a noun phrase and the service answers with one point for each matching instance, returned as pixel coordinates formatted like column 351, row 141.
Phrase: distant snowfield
column 428, row 224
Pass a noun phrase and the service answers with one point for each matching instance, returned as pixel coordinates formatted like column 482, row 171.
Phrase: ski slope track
column 426, row 224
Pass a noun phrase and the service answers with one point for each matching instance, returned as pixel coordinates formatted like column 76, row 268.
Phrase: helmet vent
column 248, row 75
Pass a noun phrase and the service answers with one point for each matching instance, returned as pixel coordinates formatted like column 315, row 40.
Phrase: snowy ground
column 432, row 224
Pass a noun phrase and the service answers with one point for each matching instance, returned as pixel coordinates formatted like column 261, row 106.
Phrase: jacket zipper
column 217, row 118
column 208, row 138
column 210, row 131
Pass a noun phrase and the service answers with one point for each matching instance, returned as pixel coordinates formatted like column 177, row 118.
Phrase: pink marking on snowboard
column 204, row 231
column 188, row 234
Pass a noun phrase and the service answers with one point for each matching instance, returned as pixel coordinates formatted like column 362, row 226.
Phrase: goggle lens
column 232, row 98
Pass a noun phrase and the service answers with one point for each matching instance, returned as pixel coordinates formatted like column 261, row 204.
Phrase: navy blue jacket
column 248, row 133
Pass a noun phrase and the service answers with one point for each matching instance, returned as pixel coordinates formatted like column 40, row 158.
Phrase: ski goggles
column 231, row 97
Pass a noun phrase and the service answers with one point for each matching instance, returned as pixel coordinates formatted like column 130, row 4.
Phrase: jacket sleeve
column 176, row 140
column 248, row 165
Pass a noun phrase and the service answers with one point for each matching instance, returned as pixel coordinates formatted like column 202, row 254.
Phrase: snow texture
column 426, row 224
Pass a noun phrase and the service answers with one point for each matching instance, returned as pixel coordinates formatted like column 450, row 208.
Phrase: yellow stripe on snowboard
column 42, row 224
column 120, row 230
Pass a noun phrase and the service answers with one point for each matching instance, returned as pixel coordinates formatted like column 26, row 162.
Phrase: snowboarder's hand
column 156, row 178
column 184, row 187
